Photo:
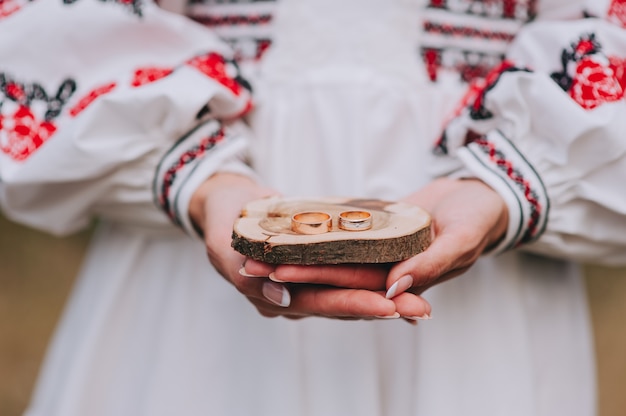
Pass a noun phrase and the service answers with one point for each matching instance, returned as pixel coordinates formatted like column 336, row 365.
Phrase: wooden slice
column 264, row 231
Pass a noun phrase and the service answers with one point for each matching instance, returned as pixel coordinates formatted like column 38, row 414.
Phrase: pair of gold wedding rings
column 318, row 222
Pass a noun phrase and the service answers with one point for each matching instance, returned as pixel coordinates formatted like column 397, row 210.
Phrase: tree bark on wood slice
column 264, row 232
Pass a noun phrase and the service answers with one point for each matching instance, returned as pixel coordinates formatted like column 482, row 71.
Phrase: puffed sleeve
column 115, row 109
column 546, row 130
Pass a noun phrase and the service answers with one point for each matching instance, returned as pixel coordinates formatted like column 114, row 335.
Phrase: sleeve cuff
column 207, row 149
column 497, row 162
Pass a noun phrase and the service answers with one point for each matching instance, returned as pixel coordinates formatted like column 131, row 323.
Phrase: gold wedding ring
column 311, row 222
column 355, row 220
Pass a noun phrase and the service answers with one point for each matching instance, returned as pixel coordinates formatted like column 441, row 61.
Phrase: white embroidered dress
column 124, row 110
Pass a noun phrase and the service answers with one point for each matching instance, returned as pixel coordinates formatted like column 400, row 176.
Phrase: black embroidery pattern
column 586, row 45
column 27, row 114
column 134, row 5
column 516, row 176
column 470, row 62
column 498, row 9
column 25, row 94
column 252, row 41
column 190, row 156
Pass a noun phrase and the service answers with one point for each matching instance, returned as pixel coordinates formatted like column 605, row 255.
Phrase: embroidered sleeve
column 112, row 108
column 546, row 131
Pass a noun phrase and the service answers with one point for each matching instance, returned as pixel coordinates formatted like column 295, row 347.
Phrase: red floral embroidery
column 215, row 66
column 147, row 75
column 618, row 66
column 432, row 58
column 21, row 133
column 585, row 47
column 617, row 12
column 28, row 114
column 588, row 75
column 594, row 84
column 8, row 7
column 15, row 92
column 90, row 97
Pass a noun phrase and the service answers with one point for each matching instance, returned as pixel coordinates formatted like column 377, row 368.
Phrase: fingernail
column 401, row 285
column 277, row 294
column 243, row 273
column 410, row 320
column 396, row 315
column 424, row 317
column 273, row 278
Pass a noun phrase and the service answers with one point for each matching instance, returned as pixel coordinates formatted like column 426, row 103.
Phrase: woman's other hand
column 468, row 218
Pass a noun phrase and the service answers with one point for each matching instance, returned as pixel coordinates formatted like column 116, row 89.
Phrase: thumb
column 441, row 261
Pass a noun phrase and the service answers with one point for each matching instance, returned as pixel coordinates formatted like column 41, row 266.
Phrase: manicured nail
column 277, row 294
column 273, row 278
column 395, row 315
column 401, row 285
column 424, row 317
column 243, row 273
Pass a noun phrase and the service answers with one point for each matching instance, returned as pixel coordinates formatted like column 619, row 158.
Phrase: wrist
column 218, row 181
column 500, row 211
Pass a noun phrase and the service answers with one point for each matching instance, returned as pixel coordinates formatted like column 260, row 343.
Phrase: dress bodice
column 352, row 34
column 437, row 39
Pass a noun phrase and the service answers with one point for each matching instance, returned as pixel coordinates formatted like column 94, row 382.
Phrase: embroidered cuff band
column 496, row 161
column 195, row 157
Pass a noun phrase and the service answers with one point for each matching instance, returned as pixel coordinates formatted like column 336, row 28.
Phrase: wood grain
column 263, row 232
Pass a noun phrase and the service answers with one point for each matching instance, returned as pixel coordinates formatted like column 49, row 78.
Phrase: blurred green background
column 37, row 271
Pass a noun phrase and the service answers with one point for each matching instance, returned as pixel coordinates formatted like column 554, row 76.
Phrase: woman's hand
column 468, row 218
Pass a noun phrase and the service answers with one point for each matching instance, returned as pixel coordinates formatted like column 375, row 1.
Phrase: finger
column 342, row 303
column 266, row 309
column 445, row 255
column 264, row 291
column 371, row 277
column 412, row 306
column 254, row 268
column 260, row 289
